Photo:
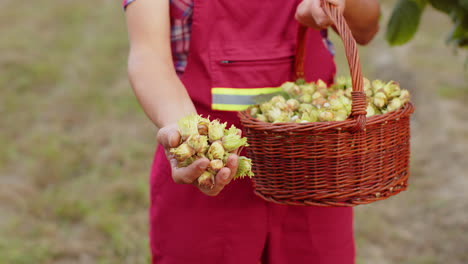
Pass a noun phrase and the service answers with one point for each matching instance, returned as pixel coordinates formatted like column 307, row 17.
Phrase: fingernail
column 225, row 176
column 203, row 166
column 171, row 139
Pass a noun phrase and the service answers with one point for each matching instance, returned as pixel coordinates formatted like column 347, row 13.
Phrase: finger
column 223, row 177
column 232, row 164
column 311, row 14
column 303, row 14
column 321, row 19
column 187, row 175
column 340, row 4
column 169, row 136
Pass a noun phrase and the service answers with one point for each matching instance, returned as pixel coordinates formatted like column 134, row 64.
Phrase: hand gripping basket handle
column 359, row 105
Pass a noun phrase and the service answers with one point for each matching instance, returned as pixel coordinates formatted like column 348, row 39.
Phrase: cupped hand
column 311, row 14
column 169, row 137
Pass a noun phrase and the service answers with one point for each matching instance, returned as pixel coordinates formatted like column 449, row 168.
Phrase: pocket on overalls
column 241, row 72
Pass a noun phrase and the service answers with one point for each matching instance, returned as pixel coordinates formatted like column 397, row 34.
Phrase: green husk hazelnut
column 207, row 180
column 291, row 88
column 294, row 118
column 377, row 85
column 348, row 92
column 262, row 118
column 319, row 102
column 308, row 88
column 306, row 98
column 347, row 103
column 244, row 168
column 321, row 84
column 326, row 116
column 202, row 126
column 394, row 104
column 371, row 110
column 338, row 93
column 275, row 115
column 380, row 99
column 216, row 165
column 188, row 126
column 343, row 82
column 311, row 116
column 186, row 162
column 392, row 89
column 366, row 84
column 254, row 111
column 277, row 99
column 404, row 96
column 317, row 95
column 336, row 104
column 198, row 143
column 282, row 106
column 202, row 129
column 305, row 107
column 265, row 107
column 367, row 87
column 215, row 151
column 232, row 130
column 216, row 130
column 292, row 104
column 232, row 142
column 341, row 115
column 182, row 152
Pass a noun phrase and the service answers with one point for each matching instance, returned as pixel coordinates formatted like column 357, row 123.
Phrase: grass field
column 75, row 148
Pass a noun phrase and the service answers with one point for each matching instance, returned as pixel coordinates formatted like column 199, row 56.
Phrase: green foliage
column 464, row 4
column 445, row 6
column 459, row 33
column 404, row 21
column 406, row 15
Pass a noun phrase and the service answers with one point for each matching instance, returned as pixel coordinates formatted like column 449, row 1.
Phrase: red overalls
column 243, row 43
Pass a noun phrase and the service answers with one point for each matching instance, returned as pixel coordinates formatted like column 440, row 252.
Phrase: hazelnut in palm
column 202, row 138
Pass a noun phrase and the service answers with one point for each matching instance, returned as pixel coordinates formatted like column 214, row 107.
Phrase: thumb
column 302, row 11
column 168, row 136
column 310, row 13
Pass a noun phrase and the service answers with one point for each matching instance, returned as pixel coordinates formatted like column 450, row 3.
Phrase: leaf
column 404, row 21
column 459, row 33
column 445, row 6
column 464, row 4
column 421, row 3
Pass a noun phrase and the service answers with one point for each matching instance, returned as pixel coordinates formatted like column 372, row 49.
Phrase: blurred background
column 75, row 147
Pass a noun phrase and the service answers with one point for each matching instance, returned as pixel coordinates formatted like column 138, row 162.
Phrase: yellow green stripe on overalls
column 237, row 99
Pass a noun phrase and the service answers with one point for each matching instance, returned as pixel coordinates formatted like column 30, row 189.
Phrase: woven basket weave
column 341, row 163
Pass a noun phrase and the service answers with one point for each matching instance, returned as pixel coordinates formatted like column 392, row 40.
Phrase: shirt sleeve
column 125, row 3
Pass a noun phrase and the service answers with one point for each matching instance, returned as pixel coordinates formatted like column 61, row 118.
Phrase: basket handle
column 359, row 104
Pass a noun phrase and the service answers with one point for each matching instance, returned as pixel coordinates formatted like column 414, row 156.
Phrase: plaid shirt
column 181, row 25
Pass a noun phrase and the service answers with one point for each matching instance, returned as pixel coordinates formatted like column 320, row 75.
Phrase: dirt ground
column 75, row 147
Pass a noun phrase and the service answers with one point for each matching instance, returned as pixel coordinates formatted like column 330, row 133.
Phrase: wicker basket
column 342, row 163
